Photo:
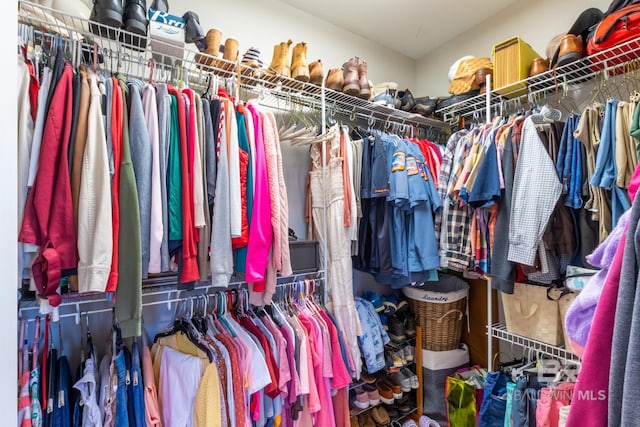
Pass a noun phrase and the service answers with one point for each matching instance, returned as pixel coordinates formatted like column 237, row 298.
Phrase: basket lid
column 447, row 289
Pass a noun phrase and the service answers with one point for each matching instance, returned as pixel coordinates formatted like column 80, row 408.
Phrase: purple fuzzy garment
column 580, row 313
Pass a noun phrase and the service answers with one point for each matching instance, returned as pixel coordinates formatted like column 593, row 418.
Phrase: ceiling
column 411, row 27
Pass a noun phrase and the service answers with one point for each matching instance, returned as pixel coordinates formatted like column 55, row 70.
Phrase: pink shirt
column 341, row 377
column 261, row 236
column 324, row 416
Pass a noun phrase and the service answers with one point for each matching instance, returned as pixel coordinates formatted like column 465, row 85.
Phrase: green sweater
column 129, row 292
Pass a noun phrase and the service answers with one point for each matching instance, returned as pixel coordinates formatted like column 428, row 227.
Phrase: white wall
column 264, row 23
column 536, row 22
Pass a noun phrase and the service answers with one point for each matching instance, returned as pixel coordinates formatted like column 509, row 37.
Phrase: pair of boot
column 213, row 40
column 297, row 68
column 351, row 79
column 132, row 18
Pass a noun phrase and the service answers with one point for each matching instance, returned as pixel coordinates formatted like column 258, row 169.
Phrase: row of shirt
column 398, row 199
column 243, row 368
column 119, row 179
column 555, row 188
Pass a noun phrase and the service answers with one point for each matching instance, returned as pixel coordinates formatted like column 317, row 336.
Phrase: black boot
column 161, row 5
column 135, row 21
column 193, row 32
column 108, row 13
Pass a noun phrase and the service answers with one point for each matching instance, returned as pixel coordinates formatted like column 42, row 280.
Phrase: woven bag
column 528, row 312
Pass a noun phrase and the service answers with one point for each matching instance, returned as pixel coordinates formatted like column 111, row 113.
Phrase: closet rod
column 55, row 22
column 233, row 286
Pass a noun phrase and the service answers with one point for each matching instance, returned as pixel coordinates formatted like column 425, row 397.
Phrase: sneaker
column 409, row 423
column 409, row 353
column 425, row 421
column 404, row 381
column 390, row 304
column 396, row 330
column 373, row 394
column 412, row 377
column 362, row 399
column 384, row 99
column 403, row 304
column 410, row 326
column 397, row 360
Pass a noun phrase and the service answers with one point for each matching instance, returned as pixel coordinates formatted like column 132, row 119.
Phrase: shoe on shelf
column 404, row 381
column 396, row 330
column 380, row 416
column 410, row 326
column 335, row 79
column 280, row 63
column 161, row 5
column 412, row 376
column 351, row 83
column 353, row 421
column 362, row 399
column 315, row 72
column 384, row 99
column 373, row 394
column 367, row 378
column 385, row 390
column 398, row 362
column 390, row 303
column 392, row 411
column 109, row 13
column 409, row 353
column 409, row 423
column 395, row 387
column 425, row 106
column 299, row 67
column 407, row 102
column 403, row 304
column 135, row 21
column 571, row 49
column 363, row 81
column 425, row 421
column 365, row 420
column 193, row 32
column 213, row 40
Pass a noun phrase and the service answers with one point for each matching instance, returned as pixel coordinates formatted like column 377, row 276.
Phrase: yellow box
column 511, row 62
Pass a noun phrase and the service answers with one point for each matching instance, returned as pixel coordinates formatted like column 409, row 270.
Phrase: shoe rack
column 621, row 59
column 416, row 397
column 120, row 54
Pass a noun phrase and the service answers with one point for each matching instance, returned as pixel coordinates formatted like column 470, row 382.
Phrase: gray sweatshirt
column 164, row 123
column 141, row 158
column 624, row 388
column 221, row 250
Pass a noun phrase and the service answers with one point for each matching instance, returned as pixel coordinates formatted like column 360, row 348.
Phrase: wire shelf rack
column 621, row 59
column 499, row 330
column 121, row 51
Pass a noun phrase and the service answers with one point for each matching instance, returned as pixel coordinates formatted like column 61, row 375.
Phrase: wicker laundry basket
column 439, row 308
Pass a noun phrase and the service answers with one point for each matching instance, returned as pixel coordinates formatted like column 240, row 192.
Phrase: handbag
column 577, row 277
column 615, row 29
column 461, row 403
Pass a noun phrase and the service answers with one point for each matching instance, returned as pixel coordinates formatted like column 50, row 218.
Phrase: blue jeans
column 136, row 388
column 62, row 399
column 520, row 409
column 122, row 416
column 494, row 403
